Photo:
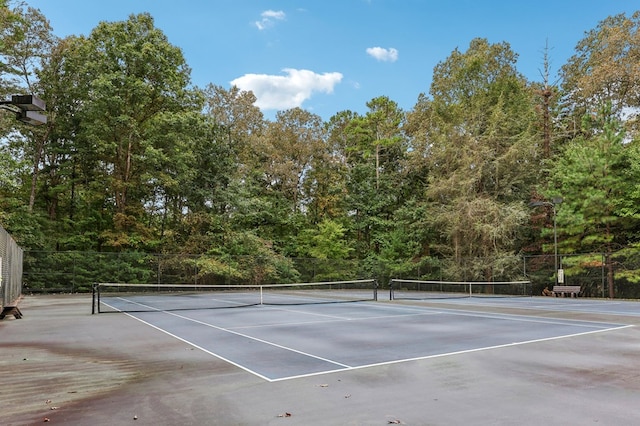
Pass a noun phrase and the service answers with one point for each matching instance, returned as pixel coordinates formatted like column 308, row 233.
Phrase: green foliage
column 77, row 271
column 604, row 71
column 591, row 176
column 481, row 156
column 11, row 33
column 595, row 176
column 9, row 182
column 325, row 242
column 140, row 177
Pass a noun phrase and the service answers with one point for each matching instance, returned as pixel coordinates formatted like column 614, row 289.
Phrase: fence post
column 93, row 298
column 603, row 273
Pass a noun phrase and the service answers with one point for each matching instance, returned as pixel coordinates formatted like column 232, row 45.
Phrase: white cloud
column 268, row 19
column 382, row 54
column 280, row 92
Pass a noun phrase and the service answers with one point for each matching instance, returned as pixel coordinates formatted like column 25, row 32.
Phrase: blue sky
column 332, row 55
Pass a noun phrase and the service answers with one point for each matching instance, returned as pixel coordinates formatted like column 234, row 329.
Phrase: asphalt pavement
column 524, row 361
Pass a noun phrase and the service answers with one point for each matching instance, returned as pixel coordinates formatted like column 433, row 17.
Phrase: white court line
column 466, row 351
column 515, row 317
column 246, row 336
column 576, row 305
column 345, row 367
column 555, row 321
column 419, row 311
column 226, row 330
column 151, row 308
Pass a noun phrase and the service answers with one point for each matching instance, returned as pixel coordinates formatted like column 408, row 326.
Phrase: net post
column 98, row 296
column 93, row 299
column 375, row 290
column 261, row 297
column 391, row 289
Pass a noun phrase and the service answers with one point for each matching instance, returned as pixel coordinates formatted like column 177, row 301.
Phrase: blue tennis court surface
column 279, row 343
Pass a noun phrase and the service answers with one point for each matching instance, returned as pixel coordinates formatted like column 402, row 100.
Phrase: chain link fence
column 598, row 275
column 54, row 272
column 75, row 272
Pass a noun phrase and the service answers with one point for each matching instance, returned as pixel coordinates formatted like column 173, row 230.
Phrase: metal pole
column 555, row 241
column 555, row 201
column 604, row 283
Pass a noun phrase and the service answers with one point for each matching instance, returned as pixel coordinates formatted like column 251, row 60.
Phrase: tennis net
column 125, row 297
column 419, row 289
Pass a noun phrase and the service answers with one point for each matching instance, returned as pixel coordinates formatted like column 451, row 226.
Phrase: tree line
column 136, row 159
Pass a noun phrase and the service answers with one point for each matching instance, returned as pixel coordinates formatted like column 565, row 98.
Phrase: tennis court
column 279, row 342
column 555, row 304
column 476, row 360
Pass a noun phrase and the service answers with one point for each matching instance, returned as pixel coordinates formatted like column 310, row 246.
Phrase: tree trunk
column 37, row 156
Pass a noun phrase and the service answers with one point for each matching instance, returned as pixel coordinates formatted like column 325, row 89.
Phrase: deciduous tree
column 604, row 70
column 481, row 155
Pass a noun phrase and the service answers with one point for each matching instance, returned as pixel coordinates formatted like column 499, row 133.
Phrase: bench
column 563, row 290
